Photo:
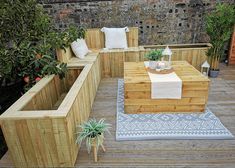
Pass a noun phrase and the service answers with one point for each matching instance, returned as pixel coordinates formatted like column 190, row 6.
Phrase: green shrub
column 154, row 55
column 219, row 26
column 28, row 40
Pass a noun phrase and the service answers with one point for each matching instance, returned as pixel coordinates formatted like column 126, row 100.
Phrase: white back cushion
column 79, row 48
column 115, row 37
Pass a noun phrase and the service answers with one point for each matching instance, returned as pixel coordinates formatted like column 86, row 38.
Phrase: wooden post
column 95, row 150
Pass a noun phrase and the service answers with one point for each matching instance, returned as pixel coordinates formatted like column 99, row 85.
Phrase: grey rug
column 167, row 125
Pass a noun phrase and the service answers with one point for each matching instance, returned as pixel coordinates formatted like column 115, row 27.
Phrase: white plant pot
column 152, row 64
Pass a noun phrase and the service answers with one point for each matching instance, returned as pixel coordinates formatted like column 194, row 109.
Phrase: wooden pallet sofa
column 40, row 127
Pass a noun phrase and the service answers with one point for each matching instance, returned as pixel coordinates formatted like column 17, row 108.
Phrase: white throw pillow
column 79, row 48
column 115, row 37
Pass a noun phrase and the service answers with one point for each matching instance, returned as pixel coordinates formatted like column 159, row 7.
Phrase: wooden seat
column 89, row 59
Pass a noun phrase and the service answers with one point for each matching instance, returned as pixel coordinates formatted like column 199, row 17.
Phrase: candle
column 204, row 73
column 161, row 65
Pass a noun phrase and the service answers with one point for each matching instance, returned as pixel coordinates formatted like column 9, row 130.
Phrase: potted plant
column 219, row 27
column 153, row 56
column 92, row 132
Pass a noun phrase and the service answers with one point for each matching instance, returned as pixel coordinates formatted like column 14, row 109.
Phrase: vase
column 152, row 64
column 214, row 73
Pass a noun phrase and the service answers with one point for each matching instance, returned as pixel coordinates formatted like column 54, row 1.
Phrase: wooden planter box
column 40, row 127
column 195, row 54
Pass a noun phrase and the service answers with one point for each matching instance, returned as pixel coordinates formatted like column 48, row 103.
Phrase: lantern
column 167, row 54
column 205, row 67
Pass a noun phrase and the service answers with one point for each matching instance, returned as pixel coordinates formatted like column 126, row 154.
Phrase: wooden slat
column 96, row 39
column 133, row 109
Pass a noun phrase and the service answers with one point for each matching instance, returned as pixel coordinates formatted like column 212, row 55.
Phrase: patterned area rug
column 166, row 125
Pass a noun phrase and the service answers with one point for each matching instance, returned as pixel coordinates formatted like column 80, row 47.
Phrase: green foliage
column 28, row 40
column 92, row 129
column 219, row 26
column 65, row 38
column 21, row 20
column 154, row 55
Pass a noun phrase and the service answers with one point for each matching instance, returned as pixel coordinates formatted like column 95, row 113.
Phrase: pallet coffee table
column 137, row 90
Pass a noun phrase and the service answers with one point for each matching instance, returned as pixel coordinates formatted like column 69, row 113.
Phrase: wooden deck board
column 162, row 153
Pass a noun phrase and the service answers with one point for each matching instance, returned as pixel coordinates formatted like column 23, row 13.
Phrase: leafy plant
column 64, row 38
column 28, row 40
column 92, row 130
column 154, row 55
column 219, row 27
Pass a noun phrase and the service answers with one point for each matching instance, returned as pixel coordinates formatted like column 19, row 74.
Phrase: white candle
column 204, row 73
column 161, row 65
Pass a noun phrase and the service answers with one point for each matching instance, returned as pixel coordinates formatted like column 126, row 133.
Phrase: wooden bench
column 112, row 61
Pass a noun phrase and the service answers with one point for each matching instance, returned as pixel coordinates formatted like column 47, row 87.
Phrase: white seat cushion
column 115, row 37
column 79, row 48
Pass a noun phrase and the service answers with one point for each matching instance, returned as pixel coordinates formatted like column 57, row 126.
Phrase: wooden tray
column 165, row 71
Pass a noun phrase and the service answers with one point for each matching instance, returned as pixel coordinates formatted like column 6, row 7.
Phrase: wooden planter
column 195, row 54
column 40, row 127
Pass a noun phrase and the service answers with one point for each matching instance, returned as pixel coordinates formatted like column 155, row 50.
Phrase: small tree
column 28, row 40
column 219, row 26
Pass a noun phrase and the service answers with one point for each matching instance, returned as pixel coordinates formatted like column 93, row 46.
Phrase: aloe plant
column 91, row 130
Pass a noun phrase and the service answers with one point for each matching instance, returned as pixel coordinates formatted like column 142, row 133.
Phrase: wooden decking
column 171, row 153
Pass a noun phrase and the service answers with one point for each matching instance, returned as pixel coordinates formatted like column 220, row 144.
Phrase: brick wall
column 159, row 21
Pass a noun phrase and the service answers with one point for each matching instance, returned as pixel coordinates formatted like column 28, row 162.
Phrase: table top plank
column 135, row 72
